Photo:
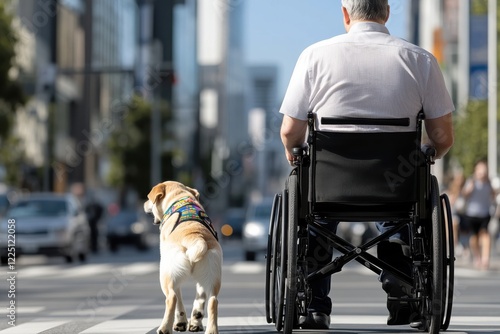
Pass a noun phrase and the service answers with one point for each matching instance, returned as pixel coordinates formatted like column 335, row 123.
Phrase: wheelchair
column 361, row 177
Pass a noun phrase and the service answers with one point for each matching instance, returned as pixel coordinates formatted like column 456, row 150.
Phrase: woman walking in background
column 457, row 203
column 480, row 199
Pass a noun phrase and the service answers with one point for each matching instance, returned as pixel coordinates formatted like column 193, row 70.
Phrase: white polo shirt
column 366, row 73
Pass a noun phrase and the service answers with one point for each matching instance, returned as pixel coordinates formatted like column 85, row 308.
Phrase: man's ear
column 388, row 13
column 157, row 193
column 194, row 192
column 347, row 18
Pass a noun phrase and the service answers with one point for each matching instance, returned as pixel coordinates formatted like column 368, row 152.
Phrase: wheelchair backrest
column 365, row 167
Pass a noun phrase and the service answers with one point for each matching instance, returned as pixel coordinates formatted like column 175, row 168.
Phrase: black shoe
column 393, row 286
column 397, row 254
column 400, row 313
column 417, row 324
column 314, row 320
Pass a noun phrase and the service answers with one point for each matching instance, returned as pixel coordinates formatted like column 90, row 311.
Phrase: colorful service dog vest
column 189, row 210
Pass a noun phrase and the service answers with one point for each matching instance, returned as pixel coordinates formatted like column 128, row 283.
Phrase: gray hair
column 371, row 10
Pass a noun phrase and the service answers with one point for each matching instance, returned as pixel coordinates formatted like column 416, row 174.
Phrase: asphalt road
column 121, row 294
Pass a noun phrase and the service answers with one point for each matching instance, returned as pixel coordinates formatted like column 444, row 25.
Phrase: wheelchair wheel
column 290, row 316
column 430, row 277
column 279, row 264
column 272, row 256
column 449, row 263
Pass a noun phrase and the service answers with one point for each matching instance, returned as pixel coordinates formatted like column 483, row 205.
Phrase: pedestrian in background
column 480, row 204
column 457, row 204
column 94, row 211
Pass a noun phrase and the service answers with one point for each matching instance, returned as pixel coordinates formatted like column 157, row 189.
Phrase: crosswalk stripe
column 470, row 273
column 33, row 327
column 360, row 319
column 30, row 309
column 132, row 326
column 64, row 271
column 123, row 326
column 136, row 269
column 140, row 268
column 474, row 320
column 247, row 268
column 40, row 271
column 85, row 270
column 243, row 267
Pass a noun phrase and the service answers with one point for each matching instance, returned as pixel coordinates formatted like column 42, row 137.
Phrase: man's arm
column 293, row 134
column 440, row 133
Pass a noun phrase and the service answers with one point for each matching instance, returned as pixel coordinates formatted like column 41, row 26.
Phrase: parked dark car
column 128, row 227
column 233, row 222
column 47, row 224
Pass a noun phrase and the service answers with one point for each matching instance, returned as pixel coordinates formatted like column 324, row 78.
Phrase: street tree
column 11, row 92
column 130, row 148
column 471, row 135
column 11, row 97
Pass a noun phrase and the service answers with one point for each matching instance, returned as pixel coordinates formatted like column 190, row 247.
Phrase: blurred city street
column 101, row 100
column 119, row 293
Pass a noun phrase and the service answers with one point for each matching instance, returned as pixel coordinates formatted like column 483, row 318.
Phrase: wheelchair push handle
column 429, row 152
column 299, row 153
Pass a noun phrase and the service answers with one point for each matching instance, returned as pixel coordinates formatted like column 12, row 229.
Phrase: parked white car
column 256, row 229
column 46, row 224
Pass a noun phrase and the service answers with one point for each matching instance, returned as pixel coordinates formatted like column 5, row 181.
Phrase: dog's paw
column 196, row 328
column 214, row 331
column 180, row 327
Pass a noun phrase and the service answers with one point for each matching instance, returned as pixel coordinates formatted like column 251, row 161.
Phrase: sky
column 276, row 31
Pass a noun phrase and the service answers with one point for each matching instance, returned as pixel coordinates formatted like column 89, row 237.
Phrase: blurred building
column 82, row 58
column 267, row 162
column 73, row 69
column 438, row 27
column 185, row 99
column 156, row 76
column 41, row 124
column 108, row 77
column 222, row 116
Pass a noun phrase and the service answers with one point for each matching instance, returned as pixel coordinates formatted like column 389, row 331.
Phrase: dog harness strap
column 189, row 210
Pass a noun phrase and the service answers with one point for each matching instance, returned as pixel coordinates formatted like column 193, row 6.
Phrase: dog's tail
column 196, row 249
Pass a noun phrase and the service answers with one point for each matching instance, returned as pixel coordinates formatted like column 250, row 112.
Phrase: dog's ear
column 194, row 192
column 157, row 193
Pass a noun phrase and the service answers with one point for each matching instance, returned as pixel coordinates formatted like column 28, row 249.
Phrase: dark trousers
column 320, row 253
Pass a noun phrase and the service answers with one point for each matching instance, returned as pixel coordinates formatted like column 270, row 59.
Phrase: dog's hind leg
column 196, row 321
column 213, row 304
column 207, row 274
column 168, row 318
column 180, row 321
column 212, row 327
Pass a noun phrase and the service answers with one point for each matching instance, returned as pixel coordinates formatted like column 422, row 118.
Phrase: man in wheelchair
column 365, row 74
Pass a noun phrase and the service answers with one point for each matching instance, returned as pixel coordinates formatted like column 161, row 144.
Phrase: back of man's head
column 367, row 10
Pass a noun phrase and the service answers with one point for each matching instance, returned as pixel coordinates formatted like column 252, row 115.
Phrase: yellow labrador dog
column 188, row 248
